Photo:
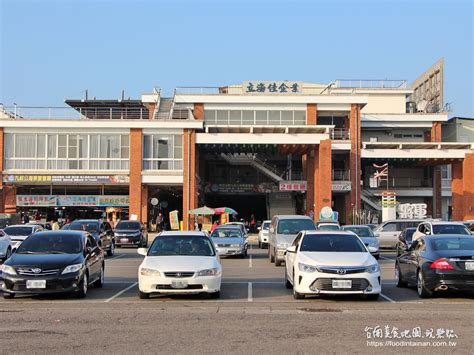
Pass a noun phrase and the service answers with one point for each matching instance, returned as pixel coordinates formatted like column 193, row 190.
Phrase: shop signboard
column 240, row 188
column 174, row 221
column 51, row 179
column 293, row 185
column 72, row 200
column 341, row 186
column 272, row 87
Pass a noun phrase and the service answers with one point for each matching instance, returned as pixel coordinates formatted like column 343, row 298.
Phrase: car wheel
column 297, row 295
column 111, row 250
column 84, row 286
column 143, row 295
column 287, row 282
column 423, row 292
column 272, row 256
column 399, row 277
column 373, row 297
column 100, row 282
column 216, row 294
column 8, row 296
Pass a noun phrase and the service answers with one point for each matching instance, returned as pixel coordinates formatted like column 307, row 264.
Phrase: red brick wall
column 198, row 111
column 457, row 191
column 437, row 197
column 135, row 189
column 355, row 131
column 468, row 186
column 324, row 196
column 310, row 173
column 311, row 114
column 189, row 176
column 436, row 132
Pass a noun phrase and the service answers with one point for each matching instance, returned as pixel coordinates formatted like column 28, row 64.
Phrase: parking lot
column 255, row 314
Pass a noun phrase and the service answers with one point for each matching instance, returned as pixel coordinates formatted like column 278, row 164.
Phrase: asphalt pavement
column 255, row 314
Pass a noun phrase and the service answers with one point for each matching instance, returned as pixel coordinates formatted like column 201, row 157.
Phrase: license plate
column 123, row 240
column 341, row 283
column 179, row 284
column 35, row 283
column 470, row 265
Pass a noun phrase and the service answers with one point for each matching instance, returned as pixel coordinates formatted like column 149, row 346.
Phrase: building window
column 255, row 117
column 162, row 152
column 25, row 151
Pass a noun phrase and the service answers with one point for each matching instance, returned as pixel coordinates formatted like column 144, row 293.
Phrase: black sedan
column 437, row 263
column 100, row 230
column 54, row 262
column 131, row 233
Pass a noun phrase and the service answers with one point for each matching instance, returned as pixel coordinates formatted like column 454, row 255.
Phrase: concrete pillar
column 144, row 204
column 198, row 111
column 436, row 132
column 324, row 196
column 468, row 186
column 354, row 159
column 311, row 114
column 135, row 189
column 457, row 190
column 189, row 177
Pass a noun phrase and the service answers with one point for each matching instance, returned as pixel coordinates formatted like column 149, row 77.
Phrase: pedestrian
column 55, row 225
column 252, row 223
column 37, row 216
column 159, row 222
column 26, row 218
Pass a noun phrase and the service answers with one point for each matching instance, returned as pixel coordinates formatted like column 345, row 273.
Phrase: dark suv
column 100, row 230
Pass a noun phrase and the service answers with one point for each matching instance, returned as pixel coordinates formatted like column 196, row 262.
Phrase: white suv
column 263, row 234
column 5, row 248
column 439, row 227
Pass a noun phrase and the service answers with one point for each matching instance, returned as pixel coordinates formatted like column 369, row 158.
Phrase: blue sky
column 53, row 50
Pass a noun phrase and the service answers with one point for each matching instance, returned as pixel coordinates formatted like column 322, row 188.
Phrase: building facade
column 261, row 147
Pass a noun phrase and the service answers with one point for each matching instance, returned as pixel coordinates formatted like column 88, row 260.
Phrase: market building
column 260, row 147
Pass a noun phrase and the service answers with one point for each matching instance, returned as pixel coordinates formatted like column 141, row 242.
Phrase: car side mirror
column 291, row 249
column 142, row 251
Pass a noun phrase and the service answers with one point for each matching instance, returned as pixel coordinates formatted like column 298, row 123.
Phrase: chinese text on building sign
column 292, row 185
column 71, row 200
column 412, row 210
column 272, row 87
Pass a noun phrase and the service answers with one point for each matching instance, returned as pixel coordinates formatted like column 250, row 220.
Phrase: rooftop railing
column 22, row 112
column 198, row 90
column 370, row 84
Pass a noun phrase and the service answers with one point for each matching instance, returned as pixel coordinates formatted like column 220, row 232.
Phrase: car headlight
column 7, row 269
column 149, row 272
column 235, row 245
column 72, row 268
column 209, row 272
column 307, row 268
column 372, row 268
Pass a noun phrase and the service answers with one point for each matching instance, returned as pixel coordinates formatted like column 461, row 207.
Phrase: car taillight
column 441, row 264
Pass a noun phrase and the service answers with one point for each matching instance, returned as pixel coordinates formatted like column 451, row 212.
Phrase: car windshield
column 363, row 232
column 440, row 244
column 329, row 227
column 450, row 229
column 332, row 243
column 294, row 226
column 18, row 230
column 191, row 245
column 128, row 225
column 266, row 226
column 226, row 233
column 91, row 227
column 51, row 243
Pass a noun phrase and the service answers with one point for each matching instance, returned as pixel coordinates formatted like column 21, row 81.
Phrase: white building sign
column 341, row 186
column 292, row 185
column 412, row 210
column 272, row 87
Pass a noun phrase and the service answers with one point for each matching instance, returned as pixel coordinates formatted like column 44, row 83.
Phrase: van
column 389, row 231
column 282, row 232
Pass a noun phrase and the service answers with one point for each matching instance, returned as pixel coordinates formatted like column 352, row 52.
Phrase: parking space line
column 121, row 292
column 250, row 260
column 387, row 298
column 249, row 296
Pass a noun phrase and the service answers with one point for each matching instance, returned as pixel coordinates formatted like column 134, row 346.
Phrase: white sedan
column 331, row 263
column 180, row 262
